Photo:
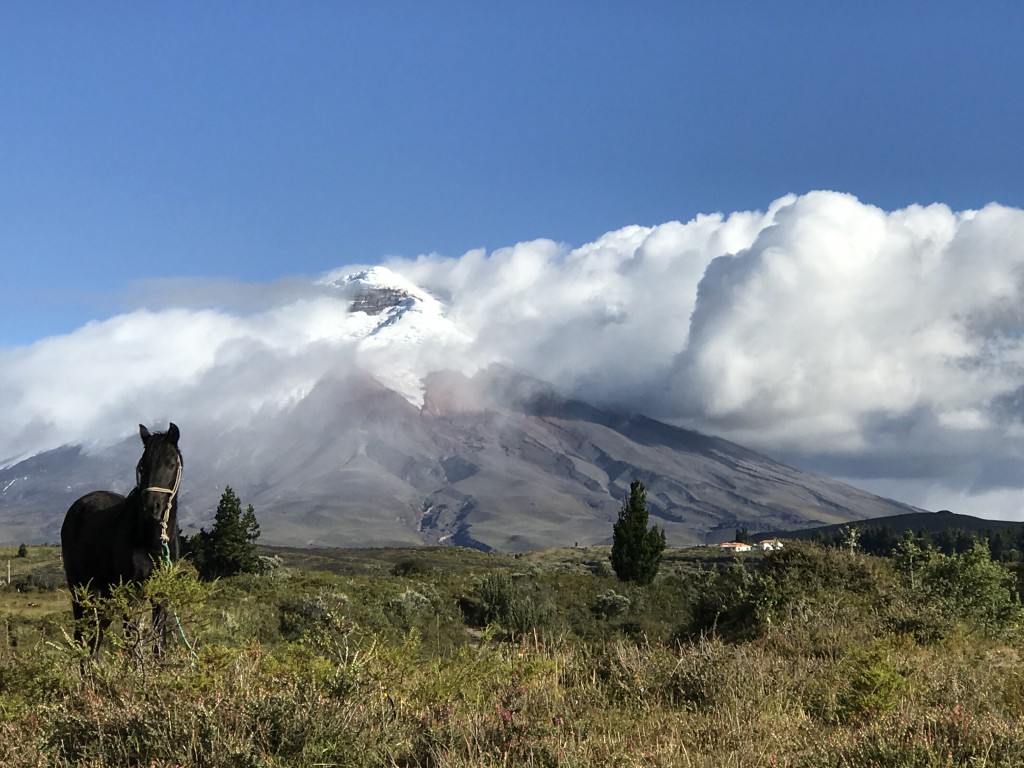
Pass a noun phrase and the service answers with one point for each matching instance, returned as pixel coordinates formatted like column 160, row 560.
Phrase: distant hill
column 929, row 522
column 945, row 530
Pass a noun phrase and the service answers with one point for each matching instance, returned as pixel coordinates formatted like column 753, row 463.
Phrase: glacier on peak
column 401, row 332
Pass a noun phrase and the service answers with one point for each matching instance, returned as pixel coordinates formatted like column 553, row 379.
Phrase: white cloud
column 840, row 321
column 879, row 344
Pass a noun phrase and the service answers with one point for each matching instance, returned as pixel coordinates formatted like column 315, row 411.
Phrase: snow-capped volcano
column 369, row 420
column 360, row 413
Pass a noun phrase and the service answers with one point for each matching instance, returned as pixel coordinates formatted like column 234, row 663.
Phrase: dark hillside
column 946, row 531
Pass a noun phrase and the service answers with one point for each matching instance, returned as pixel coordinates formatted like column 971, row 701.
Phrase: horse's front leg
column 78, row 610
column 159, row 628
column 89, row 637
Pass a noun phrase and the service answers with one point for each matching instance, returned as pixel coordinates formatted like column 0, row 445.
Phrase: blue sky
column 251, row 141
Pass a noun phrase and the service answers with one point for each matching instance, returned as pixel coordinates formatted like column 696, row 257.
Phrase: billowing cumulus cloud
column 884, row 347
column 843, row 329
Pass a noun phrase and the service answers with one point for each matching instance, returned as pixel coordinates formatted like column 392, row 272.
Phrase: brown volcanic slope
column 498, row 461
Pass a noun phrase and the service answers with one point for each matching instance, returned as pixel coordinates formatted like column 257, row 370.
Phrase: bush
column 503, row 602
column 610, row 604
column 971, row 587
column 726, row 605
column 411, row 606
column 874, row 685
column 306, row 615
column 412, row 566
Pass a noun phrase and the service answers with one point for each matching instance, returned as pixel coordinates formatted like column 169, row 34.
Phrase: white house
column 735, row 546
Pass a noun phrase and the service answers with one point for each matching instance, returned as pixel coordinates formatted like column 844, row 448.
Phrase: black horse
column 108, row 539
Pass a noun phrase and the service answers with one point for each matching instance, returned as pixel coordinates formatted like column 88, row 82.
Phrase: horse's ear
column 173, row 433
column 144, row 433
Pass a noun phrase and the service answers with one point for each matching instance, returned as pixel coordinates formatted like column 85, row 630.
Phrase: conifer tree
column 250, row 526
column 636, row 551
column 229, row 547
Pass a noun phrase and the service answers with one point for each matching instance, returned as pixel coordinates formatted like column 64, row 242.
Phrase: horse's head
column 158, row 474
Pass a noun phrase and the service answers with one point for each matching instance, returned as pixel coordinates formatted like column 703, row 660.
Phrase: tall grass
column 307, row 669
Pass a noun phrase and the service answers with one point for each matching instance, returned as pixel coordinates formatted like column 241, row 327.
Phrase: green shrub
column 500, row 600
column 971, row 587
column 610, row 604
column 323, row 612
column 726, row 605
column 412, row 566
column 874, row 685
column 497, row 592
column 411, row 606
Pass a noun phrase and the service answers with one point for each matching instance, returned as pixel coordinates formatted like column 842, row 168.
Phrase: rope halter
column 171, row 493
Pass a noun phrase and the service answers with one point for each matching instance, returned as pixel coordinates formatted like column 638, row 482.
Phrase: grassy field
column 450, row 657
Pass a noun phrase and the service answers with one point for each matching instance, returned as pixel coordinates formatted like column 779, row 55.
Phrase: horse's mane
column 181, row 457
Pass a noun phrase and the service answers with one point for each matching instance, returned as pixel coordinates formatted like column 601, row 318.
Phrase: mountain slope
column 496, row 461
